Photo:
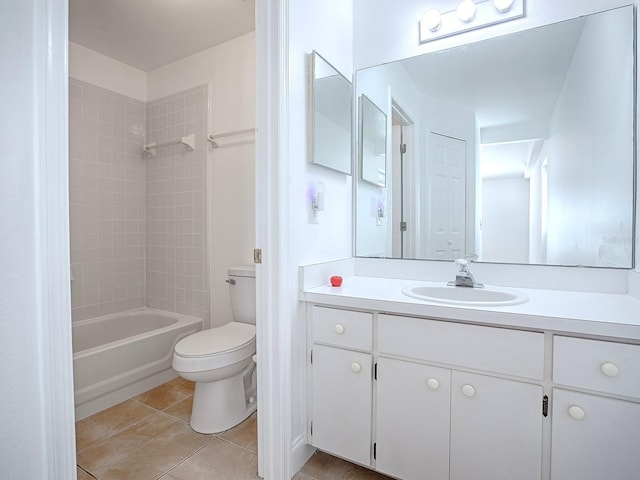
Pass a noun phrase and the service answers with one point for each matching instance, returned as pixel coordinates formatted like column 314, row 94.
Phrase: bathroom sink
column 487, row 296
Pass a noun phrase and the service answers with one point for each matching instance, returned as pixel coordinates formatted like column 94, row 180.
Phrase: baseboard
column 300, row 453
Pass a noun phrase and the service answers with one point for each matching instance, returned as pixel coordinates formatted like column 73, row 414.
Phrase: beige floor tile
column 144, row 450
column 361, row 473
column 108, row 422
column 302, row 476
column 244, row 435
column 220, row 461
column 167, row 394
column 82, row 475
column 181, row 410
column 322, row 466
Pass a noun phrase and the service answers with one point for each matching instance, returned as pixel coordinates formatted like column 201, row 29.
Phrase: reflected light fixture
column 502, row 6
column 466, row 10
column 432, row 19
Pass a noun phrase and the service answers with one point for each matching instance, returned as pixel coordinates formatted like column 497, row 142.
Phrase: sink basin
column 487, row 296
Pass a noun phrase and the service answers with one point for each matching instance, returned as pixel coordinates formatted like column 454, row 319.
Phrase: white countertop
column 600, row 314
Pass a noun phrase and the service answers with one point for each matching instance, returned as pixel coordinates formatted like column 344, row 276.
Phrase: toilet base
column 220, row 405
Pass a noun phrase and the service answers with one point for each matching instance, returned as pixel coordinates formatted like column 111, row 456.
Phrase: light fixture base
column 486, row 13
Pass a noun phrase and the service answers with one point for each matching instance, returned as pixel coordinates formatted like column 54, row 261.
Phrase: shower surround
column 137, row 222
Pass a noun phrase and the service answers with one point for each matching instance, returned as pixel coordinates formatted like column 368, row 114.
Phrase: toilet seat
column 216, row 341
column 215, row 348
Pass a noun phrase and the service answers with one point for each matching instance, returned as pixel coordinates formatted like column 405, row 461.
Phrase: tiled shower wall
column 177, row 278
column 107, row 201
column 137, row 222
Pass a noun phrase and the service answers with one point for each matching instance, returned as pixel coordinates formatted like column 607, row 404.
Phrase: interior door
column 446, row 186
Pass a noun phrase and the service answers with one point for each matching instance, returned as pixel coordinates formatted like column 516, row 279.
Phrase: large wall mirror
column 516, row 149
column 330, row 116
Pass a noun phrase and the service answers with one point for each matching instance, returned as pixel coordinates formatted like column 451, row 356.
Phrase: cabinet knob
column 355, row 366
column 433, row 384
column 338, row 328
column 576, row 412
column 468, row 390
column 609, row 369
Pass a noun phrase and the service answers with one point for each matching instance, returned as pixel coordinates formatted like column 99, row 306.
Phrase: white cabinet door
column 496, row 428
column 594, row 438
column 412, row 420
column 341, row 410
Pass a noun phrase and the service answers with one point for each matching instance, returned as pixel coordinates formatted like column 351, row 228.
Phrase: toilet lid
column 214, row 341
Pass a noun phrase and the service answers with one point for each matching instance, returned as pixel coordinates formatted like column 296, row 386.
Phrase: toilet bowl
column 220, row 361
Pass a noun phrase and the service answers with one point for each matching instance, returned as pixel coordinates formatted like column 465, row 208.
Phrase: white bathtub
column 122, row 355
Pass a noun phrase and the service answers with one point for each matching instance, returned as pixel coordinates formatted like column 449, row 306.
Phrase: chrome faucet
column 464, row 278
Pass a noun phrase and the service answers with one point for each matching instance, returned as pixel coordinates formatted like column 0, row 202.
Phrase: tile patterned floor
column 148, row 437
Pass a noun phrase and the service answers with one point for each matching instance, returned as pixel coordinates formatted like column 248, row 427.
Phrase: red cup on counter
column 336, row 281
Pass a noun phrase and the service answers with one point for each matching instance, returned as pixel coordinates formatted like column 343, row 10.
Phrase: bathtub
column 119, row 356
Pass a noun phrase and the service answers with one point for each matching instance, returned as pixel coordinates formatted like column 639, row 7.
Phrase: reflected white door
column 446, row 170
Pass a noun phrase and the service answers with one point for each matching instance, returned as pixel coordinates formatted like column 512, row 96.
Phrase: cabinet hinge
column 311, row 429
column 375, row 450
column 403, row 148
column 403, row 226
column 545, row 405
column 311, row 357
column 375, row 371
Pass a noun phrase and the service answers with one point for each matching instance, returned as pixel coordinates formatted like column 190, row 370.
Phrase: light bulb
column 466, row 10
column 502, row 6
column 431, row 19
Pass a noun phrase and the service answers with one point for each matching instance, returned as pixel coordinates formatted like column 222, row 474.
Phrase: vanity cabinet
column 451, row 423
column 341, row 409
column 412, row 421
column 418, row 398
column 341, row 385
column 595, row 436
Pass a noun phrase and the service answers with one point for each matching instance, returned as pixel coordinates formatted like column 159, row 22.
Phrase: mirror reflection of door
column 446, row 170
column 402, row 199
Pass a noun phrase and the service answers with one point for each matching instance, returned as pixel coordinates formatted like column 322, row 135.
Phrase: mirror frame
column 362, row 100
column 313, row 134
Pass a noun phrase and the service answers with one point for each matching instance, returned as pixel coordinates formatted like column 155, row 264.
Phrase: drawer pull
column 468, row 391
column 609, row 369
column 338, row 328
column 355, row 366
column 433, row 384
column 576, row 412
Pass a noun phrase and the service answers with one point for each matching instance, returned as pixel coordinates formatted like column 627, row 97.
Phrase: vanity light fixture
column 468, row 15
column 432, row 19
column 502, row 6
column 466, row 10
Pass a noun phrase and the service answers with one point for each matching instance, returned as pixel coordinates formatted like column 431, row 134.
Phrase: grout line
column 86, row 471
column 213, row 439
column 236, row 445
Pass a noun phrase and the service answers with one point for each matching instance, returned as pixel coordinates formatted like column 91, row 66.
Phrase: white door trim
column 52, row 220
column 274, row 309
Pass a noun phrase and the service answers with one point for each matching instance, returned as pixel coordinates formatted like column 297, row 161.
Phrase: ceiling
column 148, row 34
column 510, row 80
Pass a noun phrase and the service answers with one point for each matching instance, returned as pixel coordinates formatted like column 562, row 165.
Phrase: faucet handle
column 462, row 263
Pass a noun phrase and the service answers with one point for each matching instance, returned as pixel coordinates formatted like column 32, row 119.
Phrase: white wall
column 588, row 224
column 97, row 69
column 505, row 220
column 325, row 26
column 229, row 70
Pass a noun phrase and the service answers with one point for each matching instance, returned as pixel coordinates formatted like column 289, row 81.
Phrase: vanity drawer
column 343, row 328
column 596, row 365
column 500, row 350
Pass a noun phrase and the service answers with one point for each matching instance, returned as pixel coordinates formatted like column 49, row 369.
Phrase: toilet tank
column 242, row 289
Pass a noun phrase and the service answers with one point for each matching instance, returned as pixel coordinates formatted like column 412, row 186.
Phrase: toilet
column 220, row 361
